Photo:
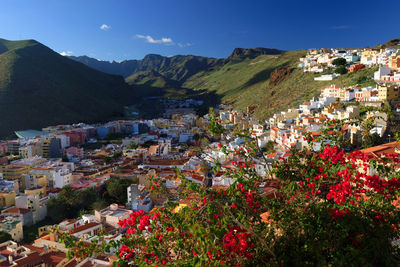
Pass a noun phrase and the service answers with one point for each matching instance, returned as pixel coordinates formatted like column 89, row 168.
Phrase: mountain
column 269, row 82
column 39, row 87
column 394, row 43
column 265, row 78
column 245, row 53
column 151, row 78
column 178, row 68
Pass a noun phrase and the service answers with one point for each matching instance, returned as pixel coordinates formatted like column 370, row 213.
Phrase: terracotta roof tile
column 84, row 227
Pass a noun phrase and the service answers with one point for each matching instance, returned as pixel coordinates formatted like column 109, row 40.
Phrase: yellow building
column 44, row 230
column 7, row 199
column 35, row 180
column 12, row 224
column 387, row 92
column 368, row 53
column 330, row 108
column 15, row 172
column 41, row 180
column 46, row 148
column 39, row 191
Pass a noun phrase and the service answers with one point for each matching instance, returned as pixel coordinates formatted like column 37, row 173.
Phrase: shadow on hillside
column 3, row 48
column 147, row 98
column 260, row 76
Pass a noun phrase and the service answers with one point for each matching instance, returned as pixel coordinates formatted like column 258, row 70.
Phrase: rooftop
column 27, row 134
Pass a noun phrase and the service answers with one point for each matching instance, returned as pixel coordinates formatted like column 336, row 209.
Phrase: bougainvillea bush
column 328, row 209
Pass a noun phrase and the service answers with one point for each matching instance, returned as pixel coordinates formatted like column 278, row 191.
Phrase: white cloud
column 105, row 27
column 184, row 44
column 151, row 40
column 66, row 53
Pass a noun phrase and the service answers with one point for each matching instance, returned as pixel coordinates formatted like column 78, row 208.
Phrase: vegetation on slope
column 151, row 78
column 247, row 82
column 178, row 68
column 39, row 87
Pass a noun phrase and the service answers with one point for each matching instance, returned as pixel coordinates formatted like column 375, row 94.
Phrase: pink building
column 76, row 137
column 3, row 147
column 75, row 152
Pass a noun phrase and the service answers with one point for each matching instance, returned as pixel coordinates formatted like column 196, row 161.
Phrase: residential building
column 366, row 94
column 334, row 91
column 326, row 77
column 26, row 214
column 356, row 67
column 64, row 140
column 3, row 147
column 12, row 224
column 7, row 199
column 90, row 228
column 31, row 149
column 387, row 92
column 58, row 174
column 12, row 254
column 159, row 149
column 73, row 151
column 139, row 198
column 15, row 172
column 13, row 147
column 394, row 62
column 112, row 215
column 76, row 136
column 32, row 203
column 62, row 177
column 51, row 148
column 381, row 72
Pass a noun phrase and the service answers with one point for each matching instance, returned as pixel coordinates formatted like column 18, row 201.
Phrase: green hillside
column 178, row 68
column 151, row 78
column 247, row 82
column 39, row 87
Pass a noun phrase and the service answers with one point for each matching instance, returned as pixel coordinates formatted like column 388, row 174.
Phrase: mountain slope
column 249, row 53
column 248, row 82
column 39, row 87
column 151, row 78
column 178, row 68
column 394, row 43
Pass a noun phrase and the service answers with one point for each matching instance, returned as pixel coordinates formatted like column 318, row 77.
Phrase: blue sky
column 130, row 29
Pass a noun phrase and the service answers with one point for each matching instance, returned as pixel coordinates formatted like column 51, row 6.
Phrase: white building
column 64, row 140
column 381, row 72
column 326, row 77
column 62, row 177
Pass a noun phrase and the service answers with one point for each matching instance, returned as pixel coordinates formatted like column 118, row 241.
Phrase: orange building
column 356, row 67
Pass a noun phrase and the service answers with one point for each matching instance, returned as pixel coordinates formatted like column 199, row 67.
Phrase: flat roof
column 29, row 133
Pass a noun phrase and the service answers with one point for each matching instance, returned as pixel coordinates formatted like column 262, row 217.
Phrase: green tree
column 371, row 140
column 341, row 70
column 116, row 189
column 117, row 155
column 107, row 160
column 70, row 203
column 196, row 136
column 339, row 61
column 99, row 204
column 86, row 198
column 111, row 136
column 133, row 145
column 4, row 236
column 269, row 147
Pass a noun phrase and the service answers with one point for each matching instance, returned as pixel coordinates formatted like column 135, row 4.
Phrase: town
column 110, row 163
